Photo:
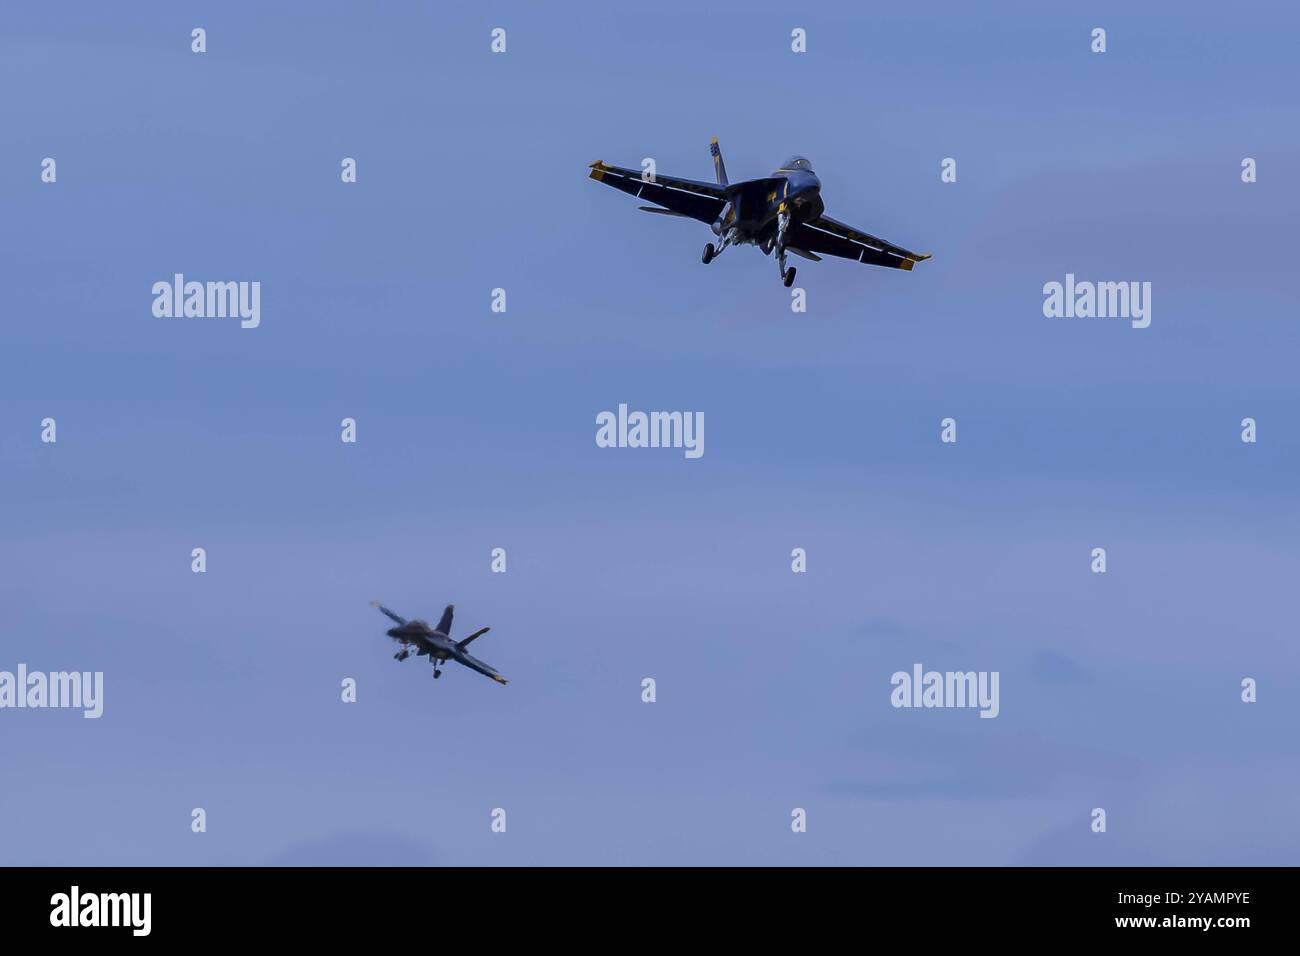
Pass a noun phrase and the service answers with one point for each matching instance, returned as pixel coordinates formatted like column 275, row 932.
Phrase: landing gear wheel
column 709, row 253
column 788, row 278
column 437, row 674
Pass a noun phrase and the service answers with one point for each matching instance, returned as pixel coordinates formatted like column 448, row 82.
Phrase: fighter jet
column 782, row 212
column 435, row 642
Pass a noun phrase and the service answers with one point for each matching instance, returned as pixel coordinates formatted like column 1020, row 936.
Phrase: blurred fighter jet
column 435, row 642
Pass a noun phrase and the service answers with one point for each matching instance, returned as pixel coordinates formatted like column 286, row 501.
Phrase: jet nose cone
column 392, row 632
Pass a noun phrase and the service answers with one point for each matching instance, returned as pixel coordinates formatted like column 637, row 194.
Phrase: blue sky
column 476, row 430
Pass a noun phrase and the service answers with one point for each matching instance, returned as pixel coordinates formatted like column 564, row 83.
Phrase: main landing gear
column 782, row 224
column 403, row 654
column 711, row 252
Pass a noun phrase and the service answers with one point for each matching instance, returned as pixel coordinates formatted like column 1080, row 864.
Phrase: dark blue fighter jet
column 783, row 212
column 435, row 642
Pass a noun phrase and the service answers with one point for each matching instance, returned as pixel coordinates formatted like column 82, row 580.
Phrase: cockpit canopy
column 797, row 162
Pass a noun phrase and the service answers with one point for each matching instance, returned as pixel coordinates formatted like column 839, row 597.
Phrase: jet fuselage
column 755, row 205
column 442, row 644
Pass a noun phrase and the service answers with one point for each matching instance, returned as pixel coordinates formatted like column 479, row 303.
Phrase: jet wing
column 834, row 238
column 401, row 621
column 475, row 664
column 698, row 200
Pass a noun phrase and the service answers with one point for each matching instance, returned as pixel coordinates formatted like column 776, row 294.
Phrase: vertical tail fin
column 718, row 167
column 444, row 624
